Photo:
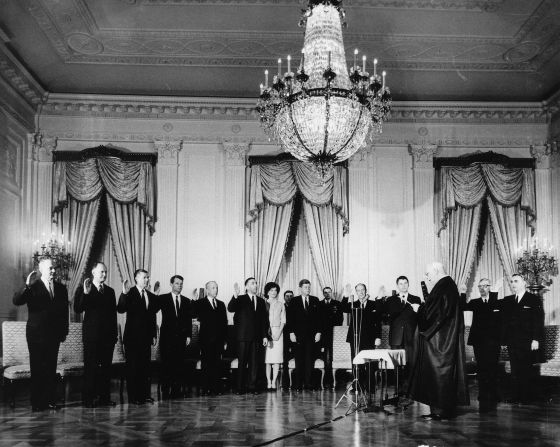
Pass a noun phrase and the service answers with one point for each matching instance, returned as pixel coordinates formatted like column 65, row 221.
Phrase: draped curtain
column 272, row 189
column 80, row 222
column 510, row 196
column 129, row 190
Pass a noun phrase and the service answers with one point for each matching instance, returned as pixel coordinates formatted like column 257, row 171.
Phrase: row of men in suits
column 516, row 321
column 308, row 320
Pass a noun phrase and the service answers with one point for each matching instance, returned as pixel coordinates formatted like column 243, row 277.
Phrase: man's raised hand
column 236, row 290
column 31, row 278
column 125, row 287
column 87, row 286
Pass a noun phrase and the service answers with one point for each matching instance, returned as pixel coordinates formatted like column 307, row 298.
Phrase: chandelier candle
column 323, row 114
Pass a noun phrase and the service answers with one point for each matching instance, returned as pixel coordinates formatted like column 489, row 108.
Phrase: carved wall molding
column 423, row 155
column 168, row 151
column 546, row 155
column 19, row 78
column 8, row 160
column 262, row 139
column 171, row 108
column 43, row 147
column 236, row 152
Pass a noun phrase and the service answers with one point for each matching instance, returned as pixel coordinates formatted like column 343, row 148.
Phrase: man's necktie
column 145, row 298
column 101, row 288
column 254, row 303
column 177, row 304
column 306, row 304
column 51, row 290
column 214, row 303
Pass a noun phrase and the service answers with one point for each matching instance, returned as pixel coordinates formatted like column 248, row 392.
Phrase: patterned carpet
column 232, row 420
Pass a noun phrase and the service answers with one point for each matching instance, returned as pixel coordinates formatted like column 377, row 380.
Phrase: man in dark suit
column 332, row 316
column 174, row 337
column 47, row 327
column 212, row 316
column 364, row 329
column 140, row 333
column 288, row 348
column 400, row 310
column 251, row 332
column 99, row 334
column 305, row 326
column 523, row 319
column 485, row 338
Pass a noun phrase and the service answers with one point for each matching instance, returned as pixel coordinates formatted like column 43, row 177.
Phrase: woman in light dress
column 277, row 318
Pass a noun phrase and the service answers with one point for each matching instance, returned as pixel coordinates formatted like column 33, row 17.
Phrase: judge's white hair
column 437, row 268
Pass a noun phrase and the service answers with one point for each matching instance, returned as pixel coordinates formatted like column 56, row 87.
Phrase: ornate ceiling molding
column 177, row 108
column 462, row 5
column 538, row 38
column 17, row 76
column 71, row 29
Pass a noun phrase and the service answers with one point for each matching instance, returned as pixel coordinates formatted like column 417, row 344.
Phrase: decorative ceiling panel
column 474, row 46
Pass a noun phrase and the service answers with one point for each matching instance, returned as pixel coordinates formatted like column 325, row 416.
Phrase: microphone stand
column 358, row 401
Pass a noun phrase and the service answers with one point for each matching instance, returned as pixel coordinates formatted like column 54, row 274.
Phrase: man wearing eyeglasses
column 484, row 337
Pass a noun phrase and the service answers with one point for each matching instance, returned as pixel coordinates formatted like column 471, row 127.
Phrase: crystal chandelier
column 58, row 251
column 324, row 113
column 536, row 264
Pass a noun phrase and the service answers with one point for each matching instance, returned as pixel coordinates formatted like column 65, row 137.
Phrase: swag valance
column 124, row 181
column 468, row 186
column 278, row 183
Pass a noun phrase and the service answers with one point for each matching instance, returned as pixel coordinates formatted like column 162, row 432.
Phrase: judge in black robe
column 438, row 377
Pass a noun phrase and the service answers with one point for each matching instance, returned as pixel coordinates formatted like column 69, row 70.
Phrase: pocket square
column 527, row 307
column 496, row 310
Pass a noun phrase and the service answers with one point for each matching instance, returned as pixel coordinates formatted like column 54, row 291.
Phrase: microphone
column 425, row 292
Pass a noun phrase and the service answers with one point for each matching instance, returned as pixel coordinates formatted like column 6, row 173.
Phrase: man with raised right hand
column 99, row 334
column 140, row 333
column 47, row 327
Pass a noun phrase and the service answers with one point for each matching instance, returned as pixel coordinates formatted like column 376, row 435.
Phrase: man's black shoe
column 53, row 407
column 149, row 400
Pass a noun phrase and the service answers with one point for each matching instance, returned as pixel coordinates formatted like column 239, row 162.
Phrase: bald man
column 438, row 378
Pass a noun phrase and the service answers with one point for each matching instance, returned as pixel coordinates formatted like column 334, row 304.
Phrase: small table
column 386, row 359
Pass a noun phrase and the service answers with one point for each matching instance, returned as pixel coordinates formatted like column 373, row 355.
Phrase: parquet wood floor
column 232, row 420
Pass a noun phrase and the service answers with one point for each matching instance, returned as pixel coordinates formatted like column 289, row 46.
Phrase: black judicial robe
column 438, row 377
